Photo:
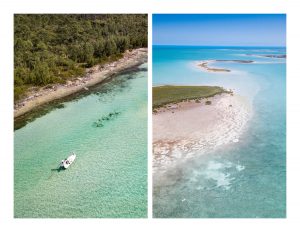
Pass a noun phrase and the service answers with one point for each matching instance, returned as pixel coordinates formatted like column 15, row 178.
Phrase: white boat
column 68, row 161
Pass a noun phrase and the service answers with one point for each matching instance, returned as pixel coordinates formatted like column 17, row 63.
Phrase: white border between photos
column 8, row 8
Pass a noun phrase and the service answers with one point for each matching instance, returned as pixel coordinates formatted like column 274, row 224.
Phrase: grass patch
column 163, row 95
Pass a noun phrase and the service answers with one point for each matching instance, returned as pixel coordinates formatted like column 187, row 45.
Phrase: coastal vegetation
column 167, row 94
column 53, row 48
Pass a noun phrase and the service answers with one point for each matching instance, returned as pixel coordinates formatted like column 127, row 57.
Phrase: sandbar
column 206, row 65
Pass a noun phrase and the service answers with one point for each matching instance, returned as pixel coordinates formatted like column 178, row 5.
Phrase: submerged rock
column 109, row 117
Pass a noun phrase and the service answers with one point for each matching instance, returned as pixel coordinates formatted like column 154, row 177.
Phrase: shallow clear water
column 244, row 179
column 109, row 175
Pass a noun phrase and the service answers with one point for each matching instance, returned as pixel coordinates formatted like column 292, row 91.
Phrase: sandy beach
column 93, row 76
column 183, row 129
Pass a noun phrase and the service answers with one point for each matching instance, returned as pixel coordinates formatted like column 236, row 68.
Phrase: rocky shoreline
column 39, row 96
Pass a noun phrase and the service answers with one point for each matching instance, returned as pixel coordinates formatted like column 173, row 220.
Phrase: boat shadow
column 53, row 170
column 59, row 169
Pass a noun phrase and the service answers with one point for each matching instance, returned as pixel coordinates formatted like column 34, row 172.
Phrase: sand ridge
column 207, row 65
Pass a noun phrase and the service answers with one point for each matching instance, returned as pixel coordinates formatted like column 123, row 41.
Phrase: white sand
column 183, row 129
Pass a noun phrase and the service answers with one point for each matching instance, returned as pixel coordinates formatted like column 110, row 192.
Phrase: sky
column 219, row 29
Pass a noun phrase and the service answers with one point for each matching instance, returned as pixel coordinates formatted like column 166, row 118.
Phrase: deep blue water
column 246, row 179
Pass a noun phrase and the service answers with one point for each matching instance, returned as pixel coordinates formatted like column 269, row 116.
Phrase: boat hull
column 68, row 161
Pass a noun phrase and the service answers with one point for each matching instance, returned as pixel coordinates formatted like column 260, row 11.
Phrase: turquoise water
column 245, row 179
column 109, row 175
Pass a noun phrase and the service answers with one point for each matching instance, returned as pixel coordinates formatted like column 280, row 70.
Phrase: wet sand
column 187, row 127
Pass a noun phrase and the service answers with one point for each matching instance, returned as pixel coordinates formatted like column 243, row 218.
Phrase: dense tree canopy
column 51, row 48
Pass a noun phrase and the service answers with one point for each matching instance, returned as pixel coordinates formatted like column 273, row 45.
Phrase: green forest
column 52, row 48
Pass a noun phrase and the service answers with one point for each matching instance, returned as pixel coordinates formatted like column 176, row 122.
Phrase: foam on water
column 216, row 171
